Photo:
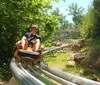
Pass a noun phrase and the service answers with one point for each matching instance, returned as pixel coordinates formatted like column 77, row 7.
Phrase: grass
column 60, row 62
column 93, row 43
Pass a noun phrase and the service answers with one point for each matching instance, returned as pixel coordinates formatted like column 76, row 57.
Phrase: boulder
column 76, row 46
column 57, row 43
column 70, row 60
column 79, row 57
column 71, row 63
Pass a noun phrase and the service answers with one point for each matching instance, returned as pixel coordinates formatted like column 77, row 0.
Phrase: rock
column 84, row 62
column 71, row 58
column 77, row 45
column 97, row 64
column 1, row 83
column 58, row 43
column 81, row 43
column 71, row 63
column 79, row 57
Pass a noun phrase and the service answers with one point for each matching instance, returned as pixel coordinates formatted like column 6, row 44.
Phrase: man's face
column 34, row 30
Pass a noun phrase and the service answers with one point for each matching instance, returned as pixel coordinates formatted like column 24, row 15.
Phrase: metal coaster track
column 32, row 76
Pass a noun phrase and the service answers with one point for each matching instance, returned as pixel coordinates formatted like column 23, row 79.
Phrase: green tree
column 87, row 26
column 63, row 23
column 90, row 25
column 77, row 13
column 15, row 18
column 96, row 30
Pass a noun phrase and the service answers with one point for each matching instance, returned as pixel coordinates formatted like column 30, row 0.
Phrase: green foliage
column 96, row 30
column 77, row 13
column 91, row 44
column 64, row 34
column 91, row 22
column 86, row 28
column 63, row 22
column 48, row 43
column 94, row 42
column 60, row 17
column 15, row 18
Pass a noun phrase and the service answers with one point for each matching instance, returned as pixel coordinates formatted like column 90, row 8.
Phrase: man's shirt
column 32, row 38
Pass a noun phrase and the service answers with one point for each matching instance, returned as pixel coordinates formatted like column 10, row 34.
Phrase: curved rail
column 69, row 77
column 22, row 76
column 56, row 78
column 31, row 76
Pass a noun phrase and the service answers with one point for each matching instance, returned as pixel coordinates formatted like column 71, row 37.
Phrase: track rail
column 22, row 76
column 69, row 77
column 32, row 76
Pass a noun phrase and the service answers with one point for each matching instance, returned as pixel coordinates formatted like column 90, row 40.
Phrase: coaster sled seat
column 25, row 53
